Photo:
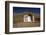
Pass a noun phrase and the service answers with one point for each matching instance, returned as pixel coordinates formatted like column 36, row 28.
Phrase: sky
column 26, row 9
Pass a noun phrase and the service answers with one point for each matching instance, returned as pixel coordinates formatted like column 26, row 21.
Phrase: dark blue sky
column 26, row 9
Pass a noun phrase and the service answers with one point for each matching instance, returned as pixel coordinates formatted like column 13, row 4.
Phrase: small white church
column 28, row 18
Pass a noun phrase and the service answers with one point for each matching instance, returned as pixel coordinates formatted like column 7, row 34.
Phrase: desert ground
column 26, row 24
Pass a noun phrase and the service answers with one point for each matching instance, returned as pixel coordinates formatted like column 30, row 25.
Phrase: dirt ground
column 16, row 25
